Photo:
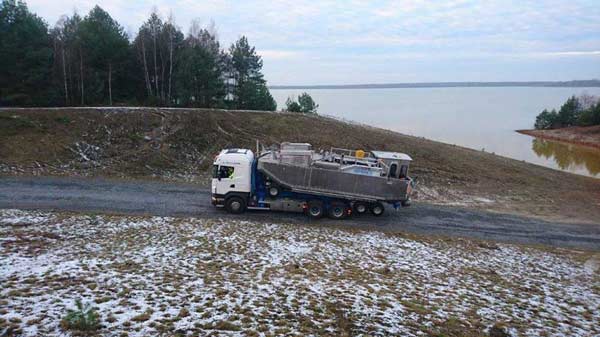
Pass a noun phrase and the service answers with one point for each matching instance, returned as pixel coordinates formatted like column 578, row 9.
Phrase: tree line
column 90, row 60
column 583, row 110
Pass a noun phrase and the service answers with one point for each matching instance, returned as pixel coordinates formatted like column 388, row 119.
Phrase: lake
column 478, row 118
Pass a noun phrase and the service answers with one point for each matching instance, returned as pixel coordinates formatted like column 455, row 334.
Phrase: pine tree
column 106, row 47
column 250, row 89
column 200, row 77
column 26, row 57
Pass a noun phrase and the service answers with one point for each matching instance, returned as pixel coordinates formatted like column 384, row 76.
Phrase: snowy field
column 169, row 276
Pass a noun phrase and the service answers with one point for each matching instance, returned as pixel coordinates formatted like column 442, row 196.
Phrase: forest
column 90, row 61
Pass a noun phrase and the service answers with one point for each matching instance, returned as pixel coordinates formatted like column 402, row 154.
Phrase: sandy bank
column 586, row 136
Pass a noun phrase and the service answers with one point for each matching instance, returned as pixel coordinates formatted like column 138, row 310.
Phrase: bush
column 292, row 106
column 590, row 116
column 84, row 318
column 546, row 120
column 305, row 104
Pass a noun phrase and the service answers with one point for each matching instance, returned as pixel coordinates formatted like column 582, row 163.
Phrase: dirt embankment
column 180, row 144
column 580, row 135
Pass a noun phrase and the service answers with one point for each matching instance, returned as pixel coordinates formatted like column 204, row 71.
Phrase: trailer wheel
column 338, row 210
column 360, row 208
column 315, row 209
column 274, row 190
column 377, row 209
column 235, row 205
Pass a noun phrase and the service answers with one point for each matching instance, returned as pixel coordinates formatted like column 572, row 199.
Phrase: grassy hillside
column 181, row 144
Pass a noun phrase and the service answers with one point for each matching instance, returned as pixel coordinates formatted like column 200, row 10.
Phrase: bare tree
column 109, row 83
column 171, row 26
column 58, row 34
column 146, row 74
column 81, row 74
column 154, row 29
column 586, row 101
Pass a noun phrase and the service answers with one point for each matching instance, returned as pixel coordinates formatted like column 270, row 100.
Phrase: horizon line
column 569, row 83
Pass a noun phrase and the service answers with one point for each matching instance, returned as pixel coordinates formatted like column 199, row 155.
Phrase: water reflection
column 568, row 156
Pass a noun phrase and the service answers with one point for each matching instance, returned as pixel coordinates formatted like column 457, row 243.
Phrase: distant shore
column 586, row 136
column 567, row 84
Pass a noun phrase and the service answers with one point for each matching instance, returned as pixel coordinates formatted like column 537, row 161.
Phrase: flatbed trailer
column 294, row 178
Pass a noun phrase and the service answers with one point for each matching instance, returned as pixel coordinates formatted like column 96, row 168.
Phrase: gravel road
column 176, row 199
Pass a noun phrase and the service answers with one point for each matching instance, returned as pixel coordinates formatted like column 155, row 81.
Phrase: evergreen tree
column 590, row 116
column 307, row 104
column 88, row 61
column 250, row 89
column 292, row 106
column 569, row 112
column 26, row 57
column 107, row 49
column 255, row 96
column 200, row 76
column 546, row 120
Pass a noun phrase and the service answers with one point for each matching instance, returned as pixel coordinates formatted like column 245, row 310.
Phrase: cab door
column 224, row 179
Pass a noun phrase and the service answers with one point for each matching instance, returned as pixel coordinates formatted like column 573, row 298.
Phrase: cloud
column 569, row 53
column 279, row 54
column 338, row 36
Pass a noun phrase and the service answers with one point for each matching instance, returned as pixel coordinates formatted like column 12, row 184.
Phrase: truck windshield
column 215, row 171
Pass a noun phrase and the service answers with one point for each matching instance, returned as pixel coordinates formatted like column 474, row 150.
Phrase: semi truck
column 293, row 177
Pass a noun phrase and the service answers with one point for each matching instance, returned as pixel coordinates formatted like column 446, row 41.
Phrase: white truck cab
column 231, row 175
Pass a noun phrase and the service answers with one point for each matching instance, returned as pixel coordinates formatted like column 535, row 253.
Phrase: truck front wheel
column 235, row 205
column 377, row 209
column 273, row 190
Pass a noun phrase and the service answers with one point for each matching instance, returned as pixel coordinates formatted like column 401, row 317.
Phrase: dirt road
column 175, row 199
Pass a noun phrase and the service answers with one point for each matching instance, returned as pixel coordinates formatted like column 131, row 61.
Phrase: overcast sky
column 344, row 42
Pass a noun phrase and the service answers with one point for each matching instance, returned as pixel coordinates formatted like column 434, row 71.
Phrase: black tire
column 337, row 210
column 315, row 209
column 360, row 208
column 377, row 209
column 235, row 205
column 273, row 190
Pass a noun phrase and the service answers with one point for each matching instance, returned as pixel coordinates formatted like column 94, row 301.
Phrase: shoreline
column 588, row 136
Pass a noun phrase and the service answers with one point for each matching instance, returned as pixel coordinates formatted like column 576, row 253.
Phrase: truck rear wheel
column 235, row 205
column 315, row 209
column 360, row 208
column 377, row 209
column 338, row 210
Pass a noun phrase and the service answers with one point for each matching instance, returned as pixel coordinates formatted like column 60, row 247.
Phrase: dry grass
column 180, row 145
column 149, row 276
